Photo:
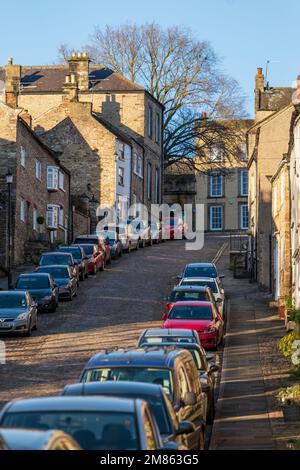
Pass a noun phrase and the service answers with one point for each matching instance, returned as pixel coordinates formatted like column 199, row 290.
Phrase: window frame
column 38, row 169
column 216, row 175
column 241, row 216
column 23, row 156
column 243, row 173
column 23, row 209
column 211, row 208
column 150, row 122
column 55, row 178
column 149, row 181
column 121, row 176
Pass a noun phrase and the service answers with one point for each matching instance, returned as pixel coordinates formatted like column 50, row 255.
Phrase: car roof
column 199, row 265
column 66, row 403
column 98, row 388
column 168, row 332
column 59, row 253
column 28, row 438
column 136, row 357
column 54, row 266
column 179, row 345
column 34, row 274
column 193, row 303
column 14, row 292
column 192, row 279
column 191, row 288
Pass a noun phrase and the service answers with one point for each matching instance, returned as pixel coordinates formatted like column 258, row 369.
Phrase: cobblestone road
column 110, row 310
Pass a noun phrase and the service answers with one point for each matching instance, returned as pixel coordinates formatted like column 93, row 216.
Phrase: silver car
column 18, row 312
column 215, row 286
column 27, row 439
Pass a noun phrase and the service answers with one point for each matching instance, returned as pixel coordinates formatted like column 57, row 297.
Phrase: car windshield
column 14, row 300
column 180, row 296
column 57, row 272
column 75, row 251
column 87, row 241
column 33, row 282
column 191, row 312
column 89, row 249
column 203, row 283
column 200, row 271
column 151, row 375
column 108, row 234
column 93, row 430
column 167, row 339
column 55, row 259
column 197, row 359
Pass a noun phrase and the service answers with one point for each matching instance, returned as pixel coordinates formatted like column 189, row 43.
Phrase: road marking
column 220, row 252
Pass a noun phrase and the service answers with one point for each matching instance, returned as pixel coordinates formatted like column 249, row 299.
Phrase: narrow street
column 111, row 310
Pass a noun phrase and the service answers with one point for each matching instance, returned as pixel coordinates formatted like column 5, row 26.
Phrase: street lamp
column 9, row 181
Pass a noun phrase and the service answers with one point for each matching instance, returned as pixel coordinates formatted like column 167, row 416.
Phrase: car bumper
column 64, row 292
column 14, row 326
column 208, row 340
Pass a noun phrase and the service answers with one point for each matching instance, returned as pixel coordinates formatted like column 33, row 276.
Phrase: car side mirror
column 190, row 399
column 185, row 427
column 204, row 386
column 179, row 277
column 222, row 276
column 219, row 301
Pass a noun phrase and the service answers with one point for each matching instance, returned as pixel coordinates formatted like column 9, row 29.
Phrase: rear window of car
column 203, row 283
column 180, row 296
column 55, row 259
column 33, row 282
column 91, row 240
column 187, row 312
column 75, row 251
column 167, row 339
column 200, row 271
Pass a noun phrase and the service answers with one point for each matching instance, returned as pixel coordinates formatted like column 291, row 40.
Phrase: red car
column 202, row 317
column 173, row 228
column 96, row 260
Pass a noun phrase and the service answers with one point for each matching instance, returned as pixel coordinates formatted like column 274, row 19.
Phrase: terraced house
column 107, row 128
column 40, row 189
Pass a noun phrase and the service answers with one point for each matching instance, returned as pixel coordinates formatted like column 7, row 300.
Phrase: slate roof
column 52, row 79
column 274, row 99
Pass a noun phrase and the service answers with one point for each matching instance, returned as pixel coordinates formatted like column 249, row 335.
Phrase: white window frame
column 52, row 209
column 211, row 209
column 61, row 181
column 55, row 178
column 22, row 210
column 149, row 181
column 38, row 169
column 243, row 175
column 135, row 163
column 61, row 215
column 211, row 185
column 216, row 153
column 34, row 219
column 242, row 225
column 121, row 176
column 140, row 171
column 23, row 157
column 150, row 122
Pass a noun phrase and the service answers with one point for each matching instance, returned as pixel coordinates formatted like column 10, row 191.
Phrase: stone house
column 281, row 236
column 40, row 189
column 222, row 185
column 121, row 103
column 267, row 141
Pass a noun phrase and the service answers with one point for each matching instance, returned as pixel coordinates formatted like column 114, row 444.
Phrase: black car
column 206, row 368
column 112, row 239
column 59, row 258
column 28, row 439
column 168, row 335
column 63, row 277
column 96, row 423
column 42, row 289
column 184, row 293
column 169, row 428
column 201, row 270
column 18, row 312
column 80, row 259
column 171, row 368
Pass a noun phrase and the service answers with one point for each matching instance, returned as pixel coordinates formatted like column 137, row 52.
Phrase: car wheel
column 75, row 293
column 102, row 267
column 71, row 296
column 53, row 309
column 211, row 413
column 108, row 261
column 120, row 253
column 35, row 327
column 82, row 277
column 202, row 439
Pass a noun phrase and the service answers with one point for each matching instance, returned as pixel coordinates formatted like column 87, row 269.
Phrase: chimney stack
column 12, row 83
column 71, row 88
column 79, row 65
column 259, row 88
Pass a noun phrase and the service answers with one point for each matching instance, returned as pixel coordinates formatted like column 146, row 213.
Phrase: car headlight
column 206, row 332
column 22, row 316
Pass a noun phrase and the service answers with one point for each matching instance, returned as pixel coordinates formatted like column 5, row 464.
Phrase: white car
column 214, row 285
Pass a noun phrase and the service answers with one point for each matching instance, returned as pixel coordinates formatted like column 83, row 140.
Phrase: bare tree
column 180, row 71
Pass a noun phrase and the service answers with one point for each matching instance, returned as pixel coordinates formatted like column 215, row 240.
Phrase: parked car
column 140, row 231
column 173, row 228
column 95, row 258
column 42, row 288
column 170, row 429
column 111, row 238
column 80, row 259
column 200, row 316
column 95, row 240
column 213, row 285
column 96, row 423
column 18, row 312
column 201, row 270
column 168, row 335
column 63, row 277
column 187, row 292
column 156, row 232
column 57, row 258
column 28, row 439
column 206, row 370
column 171, row 368
column 128, row 243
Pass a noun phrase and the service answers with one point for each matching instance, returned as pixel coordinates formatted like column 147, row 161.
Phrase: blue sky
column 244, row 34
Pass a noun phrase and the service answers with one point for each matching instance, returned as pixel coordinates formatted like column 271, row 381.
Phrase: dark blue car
column 112, row 239
column 42, row 288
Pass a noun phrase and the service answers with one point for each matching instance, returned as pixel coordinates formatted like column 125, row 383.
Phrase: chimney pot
column 10, row 61
column 259, row 71
column 204, row 115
